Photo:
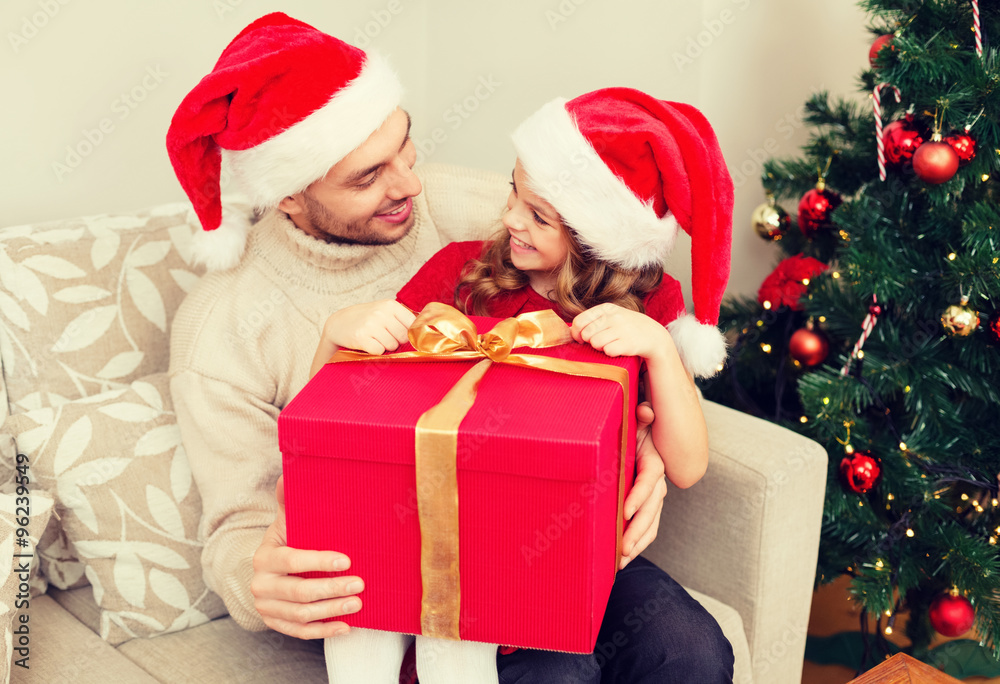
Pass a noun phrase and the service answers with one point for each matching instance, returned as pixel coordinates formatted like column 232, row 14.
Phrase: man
column 311, row 130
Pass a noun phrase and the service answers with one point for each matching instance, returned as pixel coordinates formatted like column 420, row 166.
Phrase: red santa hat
column 284, row 103
column 624, row 169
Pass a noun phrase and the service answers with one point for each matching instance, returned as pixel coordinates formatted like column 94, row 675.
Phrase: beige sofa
column 117, row 596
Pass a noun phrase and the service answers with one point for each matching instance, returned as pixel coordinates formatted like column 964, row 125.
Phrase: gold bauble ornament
column 770, row 221
column 960, row 320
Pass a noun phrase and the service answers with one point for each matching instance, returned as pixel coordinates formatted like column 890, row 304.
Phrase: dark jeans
column 653, row 633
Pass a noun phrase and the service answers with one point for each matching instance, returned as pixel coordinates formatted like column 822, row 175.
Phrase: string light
column 826, row 400
column 805, row 281
column 879, row 564
column 836, row 275
column 719, row 368
column 890, row 497
column 907, row 388
column 767, row 304
column 965, row 497
column 888, row 629
column 803, row 419
column 861, row 353
column 822, row 319
column 902, row 446
column 986, row 177
column 909, row 532
column 766, row 348
column 952, row 256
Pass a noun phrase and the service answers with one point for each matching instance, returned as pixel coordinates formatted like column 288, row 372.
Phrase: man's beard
column 354, row 233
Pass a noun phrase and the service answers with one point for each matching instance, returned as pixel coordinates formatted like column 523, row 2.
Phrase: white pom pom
column 702, row 347
column 221, row 249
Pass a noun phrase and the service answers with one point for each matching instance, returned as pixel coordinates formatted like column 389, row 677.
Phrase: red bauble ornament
column 808, row 347
column 879, row 43
column 993, row 328
column 951, row 615
column 935, row 161
column 901, row 140
column 860, row 471
column 815, row 208
column 964, row 146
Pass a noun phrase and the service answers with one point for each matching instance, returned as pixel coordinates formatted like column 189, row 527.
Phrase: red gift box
column 540, row 481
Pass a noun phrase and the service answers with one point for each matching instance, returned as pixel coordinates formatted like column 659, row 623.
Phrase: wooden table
column 904, row 669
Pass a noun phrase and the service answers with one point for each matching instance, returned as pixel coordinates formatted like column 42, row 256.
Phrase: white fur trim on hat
column 702, row 347
column 221, row 248
column 290, row 161
column 565, row 170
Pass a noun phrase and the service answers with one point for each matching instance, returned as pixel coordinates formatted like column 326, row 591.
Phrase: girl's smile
column 538, row 242
column 520, row 245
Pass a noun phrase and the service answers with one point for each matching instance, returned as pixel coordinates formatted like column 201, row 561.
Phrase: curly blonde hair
column 582, row 282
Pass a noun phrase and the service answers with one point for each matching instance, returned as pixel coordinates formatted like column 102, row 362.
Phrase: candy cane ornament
column 867, row 326
column 879, row 142
column 977, row 28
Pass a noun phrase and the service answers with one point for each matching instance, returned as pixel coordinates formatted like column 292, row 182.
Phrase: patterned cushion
column 86, row 304
column 127, row 503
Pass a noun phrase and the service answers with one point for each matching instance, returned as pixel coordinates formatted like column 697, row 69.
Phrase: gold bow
column 442, row 333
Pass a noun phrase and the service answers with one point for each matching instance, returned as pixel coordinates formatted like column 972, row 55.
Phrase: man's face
column 367, row 197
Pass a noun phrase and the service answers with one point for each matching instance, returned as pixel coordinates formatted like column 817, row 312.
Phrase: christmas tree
column 878, row 334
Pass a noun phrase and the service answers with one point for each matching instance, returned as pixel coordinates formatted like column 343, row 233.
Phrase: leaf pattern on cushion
column 85, row 329
column 130, row 411
column 146, row 297
column 81, row 294
column 121, row 365
column 50, row 237
column 74, row 442
column 54, row 266
column 86, row 303
column 127, row 504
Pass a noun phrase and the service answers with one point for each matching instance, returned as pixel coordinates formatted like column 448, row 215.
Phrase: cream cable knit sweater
column 243, row 341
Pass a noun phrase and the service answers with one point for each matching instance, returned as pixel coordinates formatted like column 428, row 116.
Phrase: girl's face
column 538, row 242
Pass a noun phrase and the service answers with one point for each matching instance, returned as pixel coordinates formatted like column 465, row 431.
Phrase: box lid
column 525, row 421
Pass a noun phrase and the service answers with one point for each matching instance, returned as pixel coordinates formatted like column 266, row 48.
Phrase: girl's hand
column 620, row 332
column 373, row 327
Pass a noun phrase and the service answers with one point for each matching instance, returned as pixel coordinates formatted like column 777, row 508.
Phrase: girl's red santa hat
column 624, row 169
column 284, row 103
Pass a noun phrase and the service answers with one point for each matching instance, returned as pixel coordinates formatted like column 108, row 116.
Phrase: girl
column 598, row 189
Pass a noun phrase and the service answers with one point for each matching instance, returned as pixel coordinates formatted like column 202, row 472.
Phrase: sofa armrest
column 748, row 534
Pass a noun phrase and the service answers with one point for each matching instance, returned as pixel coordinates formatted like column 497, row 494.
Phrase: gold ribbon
column 442, row 333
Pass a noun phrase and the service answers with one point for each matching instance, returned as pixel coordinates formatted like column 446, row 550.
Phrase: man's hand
column 292, row 605
column 645, row 502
